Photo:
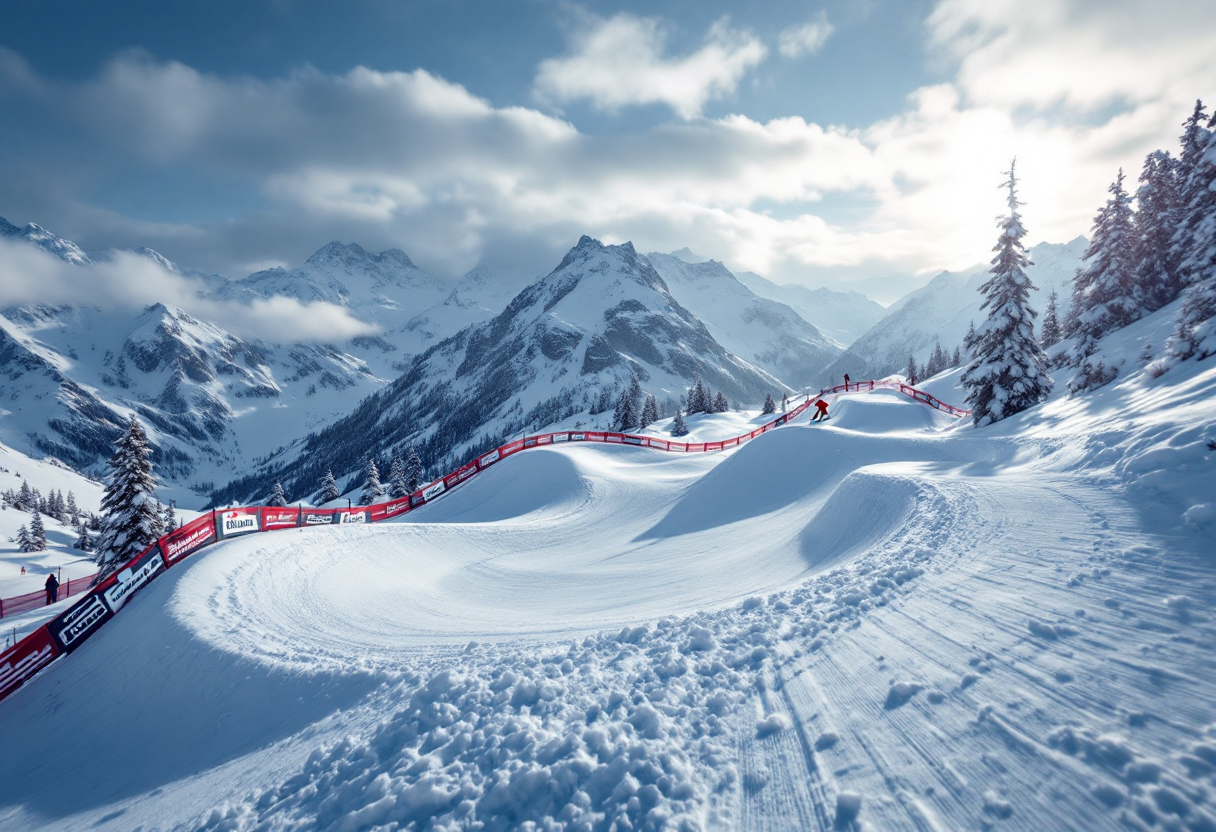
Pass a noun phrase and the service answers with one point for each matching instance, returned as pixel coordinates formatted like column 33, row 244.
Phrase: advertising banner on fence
column 461, row 474
column 355, row 515
column 317, row 517
column 132, row 578
column 234, row 521
column 23, row 660
column 561, row 437
column 433, row 490
column 79, row 622
column 189, row 538
column 488, row 459
column 383, row 511
column 280, row 518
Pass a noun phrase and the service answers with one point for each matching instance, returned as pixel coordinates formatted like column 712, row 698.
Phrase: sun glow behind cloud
column 1074, row 90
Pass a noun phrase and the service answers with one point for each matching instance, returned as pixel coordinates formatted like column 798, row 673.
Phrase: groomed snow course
column 888, row 621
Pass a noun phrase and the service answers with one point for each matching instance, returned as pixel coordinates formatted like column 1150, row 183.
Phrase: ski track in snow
column 883, row 638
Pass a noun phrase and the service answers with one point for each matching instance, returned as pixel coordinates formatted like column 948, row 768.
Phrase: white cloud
column 807, row 39
column 621, row 61
column 126, row 280
column 415, row 161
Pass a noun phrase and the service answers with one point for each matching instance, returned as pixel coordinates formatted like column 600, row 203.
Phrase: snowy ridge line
column 67, row 631
column 907, row 389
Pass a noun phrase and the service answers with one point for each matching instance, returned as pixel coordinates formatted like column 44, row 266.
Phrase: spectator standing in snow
column 846, row 382
column 52, row 589
column 822, row 412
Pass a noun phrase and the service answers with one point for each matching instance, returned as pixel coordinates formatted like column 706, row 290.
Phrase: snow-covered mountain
column 39, row 236
column 562, row 346
column 769, row 334
column 842, row 316
column 480, row 295
column 942, row 311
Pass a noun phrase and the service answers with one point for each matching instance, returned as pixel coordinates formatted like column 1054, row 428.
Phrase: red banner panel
column 277, row 517
column 23, row 660
column 383, row 511
column 188, row 539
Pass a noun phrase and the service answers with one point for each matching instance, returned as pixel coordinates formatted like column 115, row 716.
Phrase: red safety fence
column 68, row 630
column 906, row 389
column 34, row 600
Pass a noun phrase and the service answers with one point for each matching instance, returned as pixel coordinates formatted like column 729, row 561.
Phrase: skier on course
column 822, row 411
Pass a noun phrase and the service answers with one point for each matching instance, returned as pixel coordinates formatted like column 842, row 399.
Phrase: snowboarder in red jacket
column 822, row 413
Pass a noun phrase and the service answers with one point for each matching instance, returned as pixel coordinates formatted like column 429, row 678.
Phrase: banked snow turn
column 69, row 630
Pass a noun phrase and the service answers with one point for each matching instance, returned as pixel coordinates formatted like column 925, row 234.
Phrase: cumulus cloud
column 807, row 39
column 127, row 280
column 409, row 159
column 621, row 61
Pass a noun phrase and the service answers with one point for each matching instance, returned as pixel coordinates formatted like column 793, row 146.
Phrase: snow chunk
column 772, row 724
column 900, row 693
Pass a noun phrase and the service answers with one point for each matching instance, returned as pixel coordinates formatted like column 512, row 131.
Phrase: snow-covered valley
column 887, row 621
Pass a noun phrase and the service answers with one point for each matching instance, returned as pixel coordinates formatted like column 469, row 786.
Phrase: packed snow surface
column 885, row 621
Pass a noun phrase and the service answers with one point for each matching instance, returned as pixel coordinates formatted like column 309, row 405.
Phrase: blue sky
column 822, row 143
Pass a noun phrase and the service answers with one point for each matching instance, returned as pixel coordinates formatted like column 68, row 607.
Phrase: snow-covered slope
column 480, row 295
column 39, row 236
column 559, row 346
column 888, row 621
column 842, row 316
column 941, row 312
column 769, row 334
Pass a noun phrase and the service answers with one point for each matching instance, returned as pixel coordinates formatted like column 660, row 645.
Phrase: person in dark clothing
column 822, row 412
column 52, row 589
column 846, row 382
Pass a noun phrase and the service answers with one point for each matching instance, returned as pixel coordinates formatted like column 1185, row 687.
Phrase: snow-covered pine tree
column 770, row 406
column 625, row 416
column 83, row 541
column 23, row 541
column 37, row 533
column 1195, row 333
column 1193, row 194
column 373, row 491
column 910, row 372
column 396, row 478
column 168, row 518
column 1008, row 371
column 650, row 411
column 278, row 497
column 1049, row 331
column 329, row 488
column 957, row 358
column 1153, row 225
column 678, row 428
column 25, row 497
column 1105, row 295
column 415, row 474
column 73, row 510
column 131, row 521
column 721, row 405
column 699, row 397
column 635, row 393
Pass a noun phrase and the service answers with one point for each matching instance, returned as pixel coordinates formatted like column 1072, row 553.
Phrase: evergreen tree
column 83, row 542
column 970, row 339
column 1153, row 225
column 957, row 358
column 698, row 397
column 910, row 372
column 625, row 416
column 650, row 411
column 1194, row 197
column 396, row 478
column 23, row 541
column 1105, row 296
column 25, row 497
column 415, row 474
column 678, row 428
column 168, row 518
column 1008, row 371
column 73, row 510
column 721, row 405
column 131, row 519
column 770, row 406
column 1195, row 332
column 1049, row 332
column 157, row 526
column 278, row 497
column 37, row 533
column 635, row 392
column 373, row 491
column 329, row 488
